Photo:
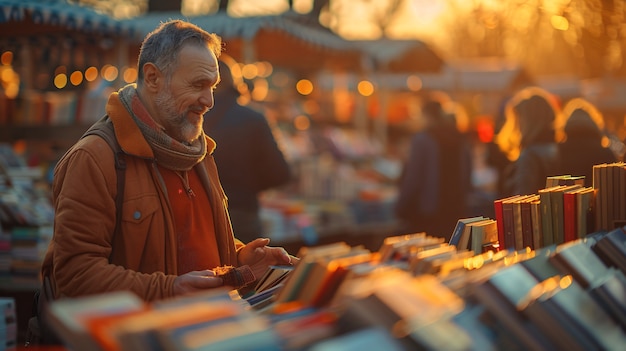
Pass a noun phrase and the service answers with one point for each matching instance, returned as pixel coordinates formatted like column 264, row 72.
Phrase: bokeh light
column 91, row 74
column 60, row 80
column 365, row 88
column 304, row 86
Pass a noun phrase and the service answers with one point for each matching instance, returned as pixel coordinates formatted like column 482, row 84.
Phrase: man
column 436, row 177
column 174, row 232
column 247, row 155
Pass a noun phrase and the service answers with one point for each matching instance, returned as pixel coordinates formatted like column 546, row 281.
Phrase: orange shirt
column 193, row 221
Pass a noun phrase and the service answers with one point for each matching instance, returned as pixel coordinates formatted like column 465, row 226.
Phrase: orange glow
column 265, row 69
column 250, row 71
column 301, row 123
column 365, row 88
column 261, row 89
column 6, row 58
column 109, row 72
column 91, row 74
column 304, row 86
column 130, row 74
column 60, row 81
column 76, row 77
column 7, row 74
column 12, row 90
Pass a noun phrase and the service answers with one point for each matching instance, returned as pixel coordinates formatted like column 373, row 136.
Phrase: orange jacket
column 84, row 257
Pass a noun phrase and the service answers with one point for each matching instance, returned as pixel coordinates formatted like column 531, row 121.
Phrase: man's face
column 189, row 94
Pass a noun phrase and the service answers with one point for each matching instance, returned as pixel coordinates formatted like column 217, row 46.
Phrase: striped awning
column 60, row 13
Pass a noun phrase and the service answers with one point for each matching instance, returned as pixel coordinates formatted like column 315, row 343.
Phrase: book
column 272, row 277
column 526, row 220
column 482, row 233
column 242, row 330
column 597, row 185
column 69, row 316
column 459, row 227
column 323, row 270
column 499, row 214
column 547, row 228
column 419, row 262
column 566, row 179
column 579, row 260
column 611, row 248
column 465, row 241
column 339, row 270
column 537, row 231
column 557, row 209
column 302, row 270
column 555, row 308
column 398, row 249
column 501, row 295
column 390, row 246
column 622, row 192
column 585, row 212
column 518, row 233
column 570, row 218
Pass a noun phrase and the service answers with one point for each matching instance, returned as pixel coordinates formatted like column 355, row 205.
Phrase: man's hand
column 196, row 281
column 259, row 256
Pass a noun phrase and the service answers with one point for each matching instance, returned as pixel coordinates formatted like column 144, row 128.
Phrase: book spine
column 546, row 219
column 497, row 206
column 509, row 225
column 527, row 225
column 569, row 217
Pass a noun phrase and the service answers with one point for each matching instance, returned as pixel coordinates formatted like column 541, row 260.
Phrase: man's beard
column 176, row 124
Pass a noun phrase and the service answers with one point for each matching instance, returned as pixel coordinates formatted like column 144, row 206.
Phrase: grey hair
column 162, row 46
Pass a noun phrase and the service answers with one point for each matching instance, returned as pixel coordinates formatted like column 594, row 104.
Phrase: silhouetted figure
column 582, row 147
column 495, row 157
column 529, row 140
column 436, row 177
column 247, row 155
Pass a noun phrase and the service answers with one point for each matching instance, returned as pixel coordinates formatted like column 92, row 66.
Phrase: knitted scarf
column 168, row 152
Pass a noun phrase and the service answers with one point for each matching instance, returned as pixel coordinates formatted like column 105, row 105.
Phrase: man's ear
column 152, row 77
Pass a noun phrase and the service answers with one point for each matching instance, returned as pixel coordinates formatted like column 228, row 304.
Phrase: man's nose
column 206, row 99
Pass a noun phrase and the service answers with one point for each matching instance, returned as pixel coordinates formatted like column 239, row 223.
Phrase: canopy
column 29, row 17
column 283, row 40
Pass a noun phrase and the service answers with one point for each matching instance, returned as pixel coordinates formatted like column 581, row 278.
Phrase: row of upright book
column 416, row 292
column 564, row 210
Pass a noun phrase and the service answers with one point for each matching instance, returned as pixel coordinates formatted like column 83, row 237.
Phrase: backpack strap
column 104, row 129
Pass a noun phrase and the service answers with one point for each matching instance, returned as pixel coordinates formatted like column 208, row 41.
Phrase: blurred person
column 528, row 138
column 174, row 235
column 247, row 155
column 436, row 176
column 495, row 157
column 583, row 143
